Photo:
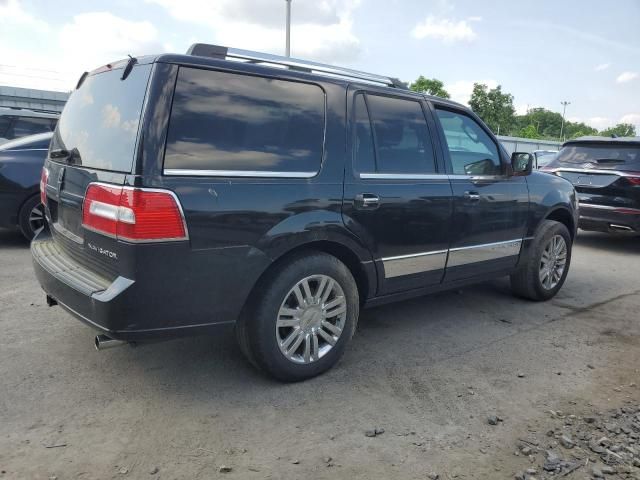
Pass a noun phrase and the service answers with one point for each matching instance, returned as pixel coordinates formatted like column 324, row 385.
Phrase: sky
column 543, row 52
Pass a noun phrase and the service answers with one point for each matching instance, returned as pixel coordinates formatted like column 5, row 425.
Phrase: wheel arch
column 564, row 216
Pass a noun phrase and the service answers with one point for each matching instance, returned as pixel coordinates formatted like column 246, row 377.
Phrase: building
column 32, row 99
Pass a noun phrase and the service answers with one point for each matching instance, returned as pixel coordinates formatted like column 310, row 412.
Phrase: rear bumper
column 601, row 218
column 151, row 307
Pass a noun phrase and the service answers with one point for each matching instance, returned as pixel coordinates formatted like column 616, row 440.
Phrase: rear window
column 239, row 123
column 100, row 120
column 607, row 156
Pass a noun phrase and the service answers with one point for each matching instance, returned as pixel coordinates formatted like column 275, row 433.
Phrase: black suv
column 187, row 191
column 606, row 173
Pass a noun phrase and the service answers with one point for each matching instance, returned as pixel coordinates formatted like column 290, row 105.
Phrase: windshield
column 614, row 157
column 99, row 123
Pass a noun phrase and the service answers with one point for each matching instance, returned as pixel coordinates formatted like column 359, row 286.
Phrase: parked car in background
column 21, row 122
column 219, row 191
column 606, row 173
column 543, row 157
column 21, row 163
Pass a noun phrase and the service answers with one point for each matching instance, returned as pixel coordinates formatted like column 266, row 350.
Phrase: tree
column 528, row 132
column 620, row 130
column 430, row 86
column 494, row 107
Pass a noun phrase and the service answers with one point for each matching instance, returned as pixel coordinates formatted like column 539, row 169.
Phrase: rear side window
column 403, row 143
column 239, row 123
column 471, row 150
column 24, row 126
column 364, row 155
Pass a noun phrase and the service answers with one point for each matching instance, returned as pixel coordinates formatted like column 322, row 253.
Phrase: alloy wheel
column 36, row 218
column 553, row 262
column 311, row 319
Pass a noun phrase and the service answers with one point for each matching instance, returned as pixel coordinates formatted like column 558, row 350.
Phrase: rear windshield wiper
column 70, row 156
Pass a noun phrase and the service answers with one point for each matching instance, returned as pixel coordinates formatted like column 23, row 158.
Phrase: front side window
column 403, row 143
column 471, row 149
column 240, row 123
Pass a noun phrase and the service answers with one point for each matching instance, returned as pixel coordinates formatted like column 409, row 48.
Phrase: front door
column 490, row 206
column 397, row 196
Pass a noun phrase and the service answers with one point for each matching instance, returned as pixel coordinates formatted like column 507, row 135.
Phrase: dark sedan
column 20, row 168
column 606, row 174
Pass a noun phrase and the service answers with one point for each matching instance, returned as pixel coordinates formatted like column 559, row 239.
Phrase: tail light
column 633, row 179
column 44, row 179
column 133, row 214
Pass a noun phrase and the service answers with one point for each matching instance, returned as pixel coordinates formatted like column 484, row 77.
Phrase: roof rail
column 225, row 53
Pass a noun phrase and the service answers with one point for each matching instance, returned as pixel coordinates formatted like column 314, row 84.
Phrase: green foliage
column 430, row 86
column 620, row 130
column 494, row 107
column 528, row 132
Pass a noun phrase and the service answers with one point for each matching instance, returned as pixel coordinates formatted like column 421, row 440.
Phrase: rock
column 433, row 476
column 521, row 375
column 370, row 433
column 590, row 366
column 636, row 462
column 531, row 471
column 327, row 459
column 154, row 470
column 526, row 450
column 608, row 470
column 596, row 448
column 590, row 419
column 597, row 473
column 567, row 442
column 123, row 471
column 612, row 427
column 519, row 476
column 552, row 462
column 492, row 420
column 379, row 431
column 224, row 469
column 295, row 462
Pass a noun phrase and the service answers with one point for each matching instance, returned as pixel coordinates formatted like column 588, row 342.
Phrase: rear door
column 95, row 141
column 397, row 197
column 490, row 206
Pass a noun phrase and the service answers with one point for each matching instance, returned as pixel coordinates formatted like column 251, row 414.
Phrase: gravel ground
column 425, row 374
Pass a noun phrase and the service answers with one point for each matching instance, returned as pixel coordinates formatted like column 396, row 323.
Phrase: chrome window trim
column 184, row 172
column 476, row 177
column 403, row 176
column 414, row 263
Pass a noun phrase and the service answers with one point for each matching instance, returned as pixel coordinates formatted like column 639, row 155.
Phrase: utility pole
column 564, row 110
column 288, row 29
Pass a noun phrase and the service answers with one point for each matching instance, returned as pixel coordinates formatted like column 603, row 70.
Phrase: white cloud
column 444, row 29
column 600, row 122
column 632, row 118
column 460, row 91
column 12, row 12
column 321, row 30
column 521, row 108
column 627, row 77
column 602, row 66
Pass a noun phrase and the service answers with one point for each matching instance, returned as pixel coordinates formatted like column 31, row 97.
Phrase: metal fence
column 516, row 144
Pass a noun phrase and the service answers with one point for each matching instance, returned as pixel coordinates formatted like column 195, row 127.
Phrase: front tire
column 31, row 217
column 547, row 263
column 300, row 318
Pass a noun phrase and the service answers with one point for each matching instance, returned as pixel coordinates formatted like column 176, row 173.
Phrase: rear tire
column 300, row 318
column 546, row 265
column 31, row 217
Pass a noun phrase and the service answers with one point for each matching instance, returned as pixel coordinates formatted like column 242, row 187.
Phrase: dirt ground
column 428, row 371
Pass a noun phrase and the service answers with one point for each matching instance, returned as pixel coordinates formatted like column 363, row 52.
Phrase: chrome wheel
column 36, row 217
column 311, row 319
column 553, row 262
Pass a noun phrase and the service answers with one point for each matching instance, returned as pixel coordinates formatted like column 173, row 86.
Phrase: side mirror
column 522, row 163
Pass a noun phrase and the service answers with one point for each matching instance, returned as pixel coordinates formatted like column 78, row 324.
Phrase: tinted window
column 364, row 156
column 101, row 118
column 616, row 157
column 401, row 135
column 471, row 149
column 224, row 121
column 4, row 124
column 24, row 126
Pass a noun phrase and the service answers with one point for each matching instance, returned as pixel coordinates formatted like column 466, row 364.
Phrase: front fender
column 549, row 193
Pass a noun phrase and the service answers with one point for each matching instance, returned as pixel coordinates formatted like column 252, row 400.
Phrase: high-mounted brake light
column 44, row 178
column 133, row 214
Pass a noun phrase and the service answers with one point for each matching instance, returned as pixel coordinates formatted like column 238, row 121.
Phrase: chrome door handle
column 367, row 200
column 472, row 196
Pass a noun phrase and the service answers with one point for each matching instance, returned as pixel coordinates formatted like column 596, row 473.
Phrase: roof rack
column 225, row 53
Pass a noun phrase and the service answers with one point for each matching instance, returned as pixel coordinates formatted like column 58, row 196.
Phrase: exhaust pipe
column 620, row 228
column 102, row 342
